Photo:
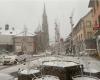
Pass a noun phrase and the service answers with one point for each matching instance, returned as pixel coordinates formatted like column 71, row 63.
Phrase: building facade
column 6, row 43
column 83, row 35
column 45, row 30
column 95, row 5
column 24, row 44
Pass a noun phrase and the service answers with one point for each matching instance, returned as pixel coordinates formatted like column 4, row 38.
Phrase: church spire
column 44, row 20
column 44, row 11
column 45, row 29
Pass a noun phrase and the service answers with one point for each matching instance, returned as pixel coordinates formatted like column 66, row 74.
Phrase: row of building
column 26, row 41
column 85, row 36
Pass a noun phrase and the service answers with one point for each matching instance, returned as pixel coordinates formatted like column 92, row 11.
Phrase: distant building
column 24, row 44
column 6, row 43
column 45, row 36
column 42, row 34
column 39, row 42
column 7, row 30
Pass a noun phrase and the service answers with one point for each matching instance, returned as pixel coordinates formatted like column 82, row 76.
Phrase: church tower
column 45, row 29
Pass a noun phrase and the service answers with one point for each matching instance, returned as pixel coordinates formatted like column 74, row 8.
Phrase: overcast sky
column 18, row 13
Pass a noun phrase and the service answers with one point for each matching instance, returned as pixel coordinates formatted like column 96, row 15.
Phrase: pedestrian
column 66, row 51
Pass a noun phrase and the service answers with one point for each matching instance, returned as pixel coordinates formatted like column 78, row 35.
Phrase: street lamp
column 71, row 22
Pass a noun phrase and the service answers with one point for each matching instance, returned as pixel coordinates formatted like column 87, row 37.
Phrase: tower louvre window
column 6, row 27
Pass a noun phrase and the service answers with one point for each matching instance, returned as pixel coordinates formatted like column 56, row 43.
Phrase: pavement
column 90, row 64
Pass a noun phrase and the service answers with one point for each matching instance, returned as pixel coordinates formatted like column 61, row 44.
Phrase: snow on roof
column 59, row 63
column 48, row 77
column 27, row 71
column 8, row 32
column 17, row 32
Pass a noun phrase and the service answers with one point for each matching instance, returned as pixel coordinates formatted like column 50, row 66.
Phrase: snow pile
column 60, row 63
column 52, row 61
column 85, row 78
column 91, row 70
column 39, row 61
column 48, row 77
column 49, row 59
column 31, row 71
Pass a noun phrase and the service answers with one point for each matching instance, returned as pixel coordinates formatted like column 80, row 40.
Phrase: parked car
column 9, row 59
column 23, row 58
column 13, row 59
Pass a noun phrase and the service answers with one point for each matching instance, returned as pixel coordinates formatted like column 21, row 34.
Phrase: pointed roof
column 44, row 12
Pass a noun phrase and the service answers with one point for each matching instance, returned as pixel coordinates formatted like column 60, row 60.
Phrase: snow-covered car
column 24, row 57
column 13, row 59
column 9, row 59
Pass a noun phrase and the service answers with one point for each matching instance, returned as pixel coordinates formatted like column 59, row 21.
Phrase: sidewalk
column 90, row 64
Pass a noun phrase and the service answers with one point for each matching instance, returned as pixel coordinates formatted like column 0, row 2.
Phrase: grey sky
column 29, row 12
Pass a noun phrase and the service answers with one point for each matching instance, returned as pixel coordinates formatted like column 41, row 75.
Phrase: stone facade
column 83, row 33
column 24, row 43
column 6, row 42
column 95, row 5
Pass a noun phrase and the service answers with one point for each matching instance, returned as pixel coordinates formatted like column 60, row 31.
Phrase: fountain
column 63, row 69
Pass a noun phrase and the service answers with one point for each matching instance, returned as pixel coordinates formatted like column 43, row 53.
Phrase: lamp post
column 71, row 22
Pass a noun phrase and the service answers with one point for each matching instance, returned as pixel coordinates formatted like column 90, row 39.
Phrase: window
column 88, row 23
column 89, row 35
column 6, row 27
column 97, row 3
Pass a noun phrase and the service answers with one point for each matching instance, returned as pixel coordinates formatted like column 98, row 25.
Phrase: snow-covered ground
column 85, row 78
column 6, row 77
column 90, row 64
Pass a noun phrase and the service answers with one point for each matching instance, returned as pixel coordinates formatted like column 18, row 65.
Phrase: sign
column 97, row 27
